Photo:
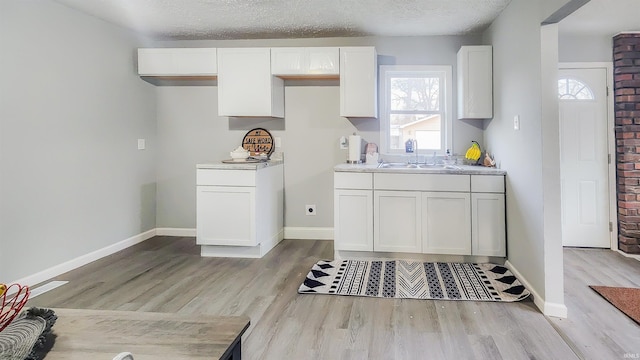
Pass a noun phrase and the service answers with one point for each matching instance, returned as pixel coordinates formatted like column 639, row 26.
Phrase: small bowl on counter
column 239, row 154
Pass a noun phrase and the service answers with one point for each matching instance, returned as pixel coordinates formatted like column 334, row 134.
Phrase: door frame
column 611, row 142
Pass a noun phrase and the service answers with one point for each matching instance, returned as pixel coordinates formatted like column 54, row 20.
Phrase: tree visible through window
column 414, row 107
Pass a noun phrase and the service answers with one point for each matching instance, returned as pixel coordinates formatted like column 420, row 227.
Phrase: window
column 415, row 103
column 572, row 89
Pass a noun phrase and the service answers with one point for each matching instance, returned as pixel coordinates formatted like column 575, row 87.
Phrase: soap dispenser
column 408, row 146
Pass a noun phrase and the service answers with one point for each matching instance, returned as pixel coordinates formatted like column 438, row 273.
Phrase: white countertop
column 457, row 169
column 238, row 165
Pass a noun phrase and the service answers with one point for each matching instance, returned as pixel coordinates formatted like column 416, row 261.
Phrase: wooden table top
column 102, row 334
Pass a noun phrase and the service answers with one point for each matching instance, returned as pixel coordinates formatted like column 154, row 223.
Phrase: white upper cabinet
column 358, row 82
column 305, row 61
column 177, row 62
column 475, row 82
column 246, row 86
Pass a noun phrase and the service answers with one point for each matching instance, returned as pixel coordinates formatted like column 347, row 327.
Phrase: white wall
column 71, row 108
column 522, row 78
column 190, row 131
column 583, row 48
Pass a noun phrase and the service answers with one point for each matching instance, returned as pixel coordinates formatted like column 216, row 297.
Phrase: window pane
column 572, row 89
column 415, row 93
column 426, row 128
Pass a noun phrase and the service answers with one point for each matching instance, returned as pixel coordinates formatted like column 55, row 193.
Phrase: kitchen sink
column 418, row 166
column 397, row 166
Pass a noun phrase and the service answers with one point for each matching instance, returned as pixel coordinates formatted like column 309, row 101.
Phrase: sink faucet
column 415, row 149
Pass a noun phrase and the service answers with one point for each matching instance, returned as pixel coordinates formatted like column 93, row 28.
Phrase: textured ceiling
column 603, row 17
column 243, row 19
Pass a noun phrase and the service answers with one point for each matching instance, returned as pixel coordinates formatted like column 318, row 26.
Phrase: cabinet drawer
column 346, row 180
column 225, row 177
column 487, row 183
column 421, row 182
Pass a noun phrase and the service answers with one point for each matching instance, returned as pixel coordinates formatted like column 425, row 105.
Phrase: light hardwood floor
column 167, row 274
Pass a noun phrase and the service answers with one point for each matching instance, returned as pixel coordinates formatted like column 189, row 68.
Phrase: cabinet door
column 245, row 84
column 225, row 215
column 353, row 220
column 288, row 61
column 156, row 62
column 177, row 62
column 358, row 82
column 323, row 60
column 488, row 221
column 475, row 82
column 397, row 217
column 446, row 223
column 200, row 61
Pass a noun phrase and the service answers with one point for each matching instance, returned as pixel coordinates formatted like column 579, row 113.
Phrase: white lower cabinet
column 353, row 211
column 488, row 222
column 447, row 214
column 239, row 213
column 353, row 220
column 397, row 218
column 446, row 223
column 226, row 215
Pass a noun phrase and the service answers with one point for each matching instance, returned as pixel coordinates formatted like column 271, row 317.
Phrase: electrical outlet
column 141, row 144
column 310, row 210
column 344, row 144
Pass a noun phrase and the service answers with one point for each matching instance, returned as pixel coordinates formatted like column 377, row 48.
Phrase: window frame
column 574, row 95
column 387, row 71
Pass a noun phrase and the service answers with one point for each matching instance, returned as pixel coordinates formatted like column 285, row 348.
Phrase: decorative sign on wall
column 258, row 141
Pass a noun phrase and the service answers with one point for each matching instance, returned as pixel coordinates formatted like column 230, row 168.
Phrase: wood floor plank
column 594, row 328
column 167, row 274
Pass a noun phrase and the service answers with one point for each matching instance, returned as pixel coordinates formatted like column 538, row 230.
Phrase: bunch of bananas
column 3, row 288
column 474, row 152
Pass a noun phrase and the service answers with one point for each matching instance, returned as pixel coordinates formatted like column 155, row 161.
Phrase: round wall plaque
column 258, row 141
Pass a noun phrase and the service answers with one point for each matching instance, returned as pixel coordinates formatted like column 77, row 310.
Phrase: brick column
column 626, row 57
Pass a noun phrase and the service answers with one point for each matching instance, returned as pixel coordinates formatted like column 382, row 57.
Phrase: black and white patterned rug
column 408, row 279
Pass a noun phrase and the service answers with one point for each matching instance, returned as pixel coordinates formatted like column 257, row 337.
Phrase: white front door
column 584, row 157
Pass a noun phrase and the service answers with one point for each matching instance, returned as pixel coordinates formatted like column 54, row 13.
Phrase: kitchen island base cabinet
column 220, row 224
column 239, row 213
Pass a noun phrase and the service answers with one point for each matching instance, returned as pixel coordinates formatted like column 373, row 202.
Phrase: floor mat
column 626, row 300
column 414, row 280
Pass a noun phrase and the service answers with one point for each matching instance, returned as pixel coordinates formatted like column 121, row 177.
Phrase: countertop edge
column 464, row 170
column 217, row 165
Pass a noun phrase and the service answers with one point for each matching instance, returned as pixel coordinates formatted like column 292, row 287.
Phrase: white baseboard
column 84, row 259
column 633, row 256
column 308, row 233
column 176, row 232
column 547, row 308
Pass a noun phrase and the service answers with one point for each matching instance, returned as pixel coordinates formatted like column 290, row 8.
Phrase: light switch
column 516, row 122
column 277, row 142
column 141, row 144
